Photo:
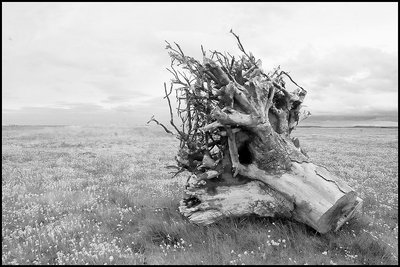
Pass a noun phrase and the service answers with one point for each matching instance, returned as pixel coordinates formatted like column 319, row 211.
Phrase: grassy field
column 102, row 195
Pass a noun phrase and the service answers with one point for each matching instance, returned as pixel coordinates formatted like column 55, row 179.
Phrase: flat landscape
column 103, row 195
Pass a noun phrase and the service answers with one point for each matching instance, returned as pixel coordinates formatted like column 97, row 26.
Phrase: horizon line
column 146, row 125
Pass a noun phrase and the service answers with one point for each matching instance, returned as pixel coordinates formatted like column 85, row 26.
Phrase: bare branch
column 170, row 110
column 233, row 151
column 202, row 50
column 239, row 43
column 233, row 117
column 271, row 95
column 212, row 126
column 159, row 123
column 283, row 72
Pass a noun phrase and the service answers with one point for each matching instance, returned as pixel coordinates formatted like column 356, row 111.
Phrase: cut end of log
column 340, row 211
column 349, row 212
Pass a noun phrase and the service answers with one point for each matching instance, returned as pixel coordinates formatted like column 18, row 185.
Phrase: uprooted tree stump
column 235, row 141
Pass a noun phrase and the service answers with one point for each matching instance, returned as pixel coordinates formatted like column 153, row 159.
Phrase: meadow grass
column 102, row 195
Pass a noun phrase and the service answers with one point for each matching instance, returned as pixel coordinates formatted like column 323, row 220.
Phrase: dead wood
column 235, row 141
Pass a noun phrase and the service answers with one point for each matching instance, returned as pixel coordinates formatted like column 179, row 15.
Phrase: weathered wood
column 203, row 207
column 252, row 165
column 307, row 193
column 317, row 195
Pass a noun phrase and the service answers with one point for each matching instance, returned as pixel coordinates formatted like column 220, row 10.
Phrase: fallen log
column 235, row 142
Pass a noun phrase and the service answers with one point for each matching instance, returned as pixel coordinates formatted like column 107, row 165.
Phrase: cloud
column 347, row 80
column 83, row 114
column 351, row 120
column 112, row 55
column 117, row 99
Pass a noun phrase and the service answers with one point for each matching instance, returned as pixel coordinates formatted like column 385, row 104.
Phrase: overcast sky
column 94, row 63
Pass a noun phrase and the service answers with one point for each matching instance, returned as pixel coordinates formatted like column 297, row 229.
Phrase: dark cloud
column 347, row 80
column 378, row 118
column 85, row 114
column 383, row 116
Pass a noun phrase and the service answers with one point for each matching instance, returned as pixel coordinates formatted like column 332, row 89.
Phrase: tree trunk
column 307, row 193
column 235, row 142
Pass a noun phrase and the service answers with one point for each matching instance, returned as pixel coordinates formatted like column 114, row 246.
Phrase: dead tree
column 234, row 134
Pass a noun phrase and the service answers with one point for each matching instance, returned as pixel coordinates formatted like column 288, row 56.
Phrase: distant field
column 102, row 195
